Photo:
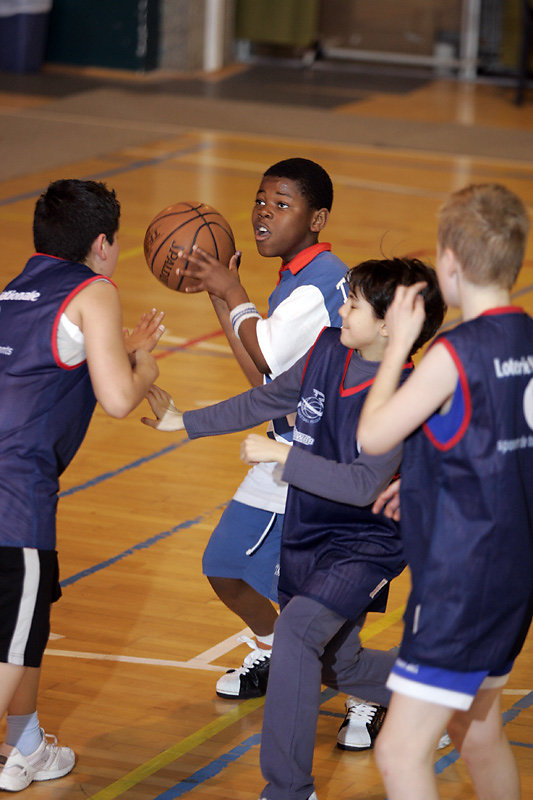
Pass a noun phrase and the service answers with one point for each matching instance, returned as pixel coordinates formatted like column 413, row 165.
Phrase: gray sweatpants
column 312, row 645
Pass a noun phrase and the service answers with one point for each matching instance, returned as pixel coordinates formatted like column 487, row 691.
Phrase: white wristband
column 242, row 312
column 172, row 419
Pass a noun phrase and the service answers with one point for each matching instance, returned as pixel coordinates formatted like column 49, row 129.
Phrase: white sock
column 266, row 640
column 24, row 732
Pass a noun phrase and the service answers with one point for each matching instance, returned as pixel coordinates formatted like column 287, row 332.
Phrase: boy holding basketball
column 337, row 557
column 466, row 415
column 241, row 560
column 62, row 349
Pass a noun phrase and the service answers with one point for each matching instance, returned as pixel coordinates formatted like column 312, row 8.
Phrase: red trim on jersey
column 503, row 310
column 359, row 388
column 62, row 307
column 458, row 435
column 46, row 255
column 303, row 258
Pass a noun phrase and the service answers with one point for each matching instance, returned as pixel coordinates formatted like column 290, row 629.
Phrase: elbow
column 366, row 440
column 372, row 446
column 116, row 411
column 117, row 407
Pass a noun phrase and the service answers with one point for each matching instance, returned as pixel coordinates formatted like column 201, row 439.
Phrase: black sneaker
column 251, row 679
column 363, row 722
column 361, row 725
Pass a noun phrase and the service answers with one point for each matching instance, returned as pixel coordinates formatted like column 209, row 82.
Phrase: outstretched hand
column 167, row 416
column 389, row 501
column 146, row 333
column 212, row 275
column 257, row 448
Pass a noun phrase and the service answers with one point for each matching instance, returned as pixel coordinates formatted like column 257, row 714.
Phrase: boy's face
column 283, row 222
column 361, row 329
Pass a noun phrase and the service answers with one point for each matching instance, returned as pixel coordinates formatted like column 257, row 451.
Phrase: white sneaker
column 444, row 741
column 15, row 772
column 361, row 724
column 49, row 761
column 251, row 679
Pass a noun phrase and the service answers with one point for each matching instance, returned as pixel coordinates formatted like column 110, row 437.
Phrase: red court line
column 189, row 343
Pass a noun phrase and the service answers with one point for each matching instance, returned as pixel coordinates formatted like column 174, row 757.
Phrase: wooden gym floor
column 139, row 639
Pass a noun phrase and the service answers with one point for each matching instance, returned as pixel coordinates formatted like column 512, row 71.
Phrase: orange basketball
column 179, row 227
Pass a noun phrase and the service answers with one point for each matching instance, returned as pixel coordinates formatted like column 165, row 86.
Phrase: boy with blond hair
column 466, row 415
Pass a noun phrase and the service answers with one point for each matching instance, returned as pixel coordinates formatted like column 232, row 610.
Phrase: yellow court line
column 371, row 630
column 212, row 728
column 176, row 751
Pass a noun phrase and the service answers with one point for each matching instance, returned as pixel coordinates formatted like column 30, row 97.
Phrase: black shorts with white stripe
column 29, row 584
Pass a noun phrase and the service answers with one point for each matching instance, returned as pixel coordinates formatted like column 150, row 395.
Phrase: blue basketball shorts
column 246, row 544
column 29, row 584
column 443, row 686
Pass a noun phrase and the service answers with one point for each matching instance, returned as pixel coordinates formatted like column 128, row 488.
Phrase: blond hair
column 486, row 227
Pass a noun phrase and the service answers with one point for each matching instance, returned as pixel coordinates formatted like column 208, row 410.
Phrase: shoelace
column 362, row 710
column 51, row 748
column 254, row 657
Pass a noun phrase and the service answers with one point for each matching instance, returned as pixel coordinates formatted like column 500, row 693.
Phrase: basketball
column 179, row 227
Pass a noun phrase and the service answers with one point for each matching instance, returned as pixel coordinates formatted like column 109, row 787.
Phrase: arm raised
column 119, row 387
column 390, row 414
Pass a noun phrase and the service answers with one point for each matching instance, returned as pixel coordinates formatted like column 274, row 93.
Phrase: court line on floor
column 215, row 767
column 201, row 661
column 508, row 716
column 175, row 752
column 123, row 168
column 84, row 573
column 236, row 164
column 246, row 707
column 105, row 476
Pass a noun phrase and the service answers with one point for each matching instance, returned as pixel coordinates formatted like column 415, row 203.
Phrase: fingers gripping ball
column 179, row 227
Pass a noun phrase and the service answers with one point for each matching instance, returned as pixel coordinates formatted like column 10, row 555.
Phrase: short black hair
column 376, row 280
column 313, row 180
column 70, row 215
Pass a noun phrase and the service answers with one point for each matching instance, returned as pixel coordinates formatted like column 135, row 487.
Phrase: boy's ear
column 383, row 330
column 449, row 261
column 97, row 251
column 319, row 219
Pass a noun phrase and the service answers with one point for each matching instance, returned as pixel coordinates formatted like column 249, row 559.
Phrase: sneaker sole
column 352, row 747
column 50, row 775
column 9, row 789
column 247, row 696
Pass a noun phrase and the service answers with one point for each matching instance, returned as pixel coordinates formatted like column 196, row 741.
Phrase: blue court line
column 507, row 716
column 105, row 476
column 182, row 526
column 220, row 763
column 147, row 162
column 211, row 770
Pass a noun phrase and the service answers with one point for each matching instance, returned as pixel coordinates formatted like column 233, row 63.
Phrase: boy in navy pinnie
column 466, row 499
column 63, row 348
column 337, row 556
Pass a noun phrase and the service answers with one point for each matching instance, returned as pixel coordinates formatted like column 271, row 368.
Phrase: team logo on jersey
column 343, row 286
column 311, row 408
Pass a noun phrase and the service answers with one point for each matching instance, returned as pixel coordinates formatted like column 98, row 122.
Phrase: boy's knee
column 288, row 623
column 474, row 741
